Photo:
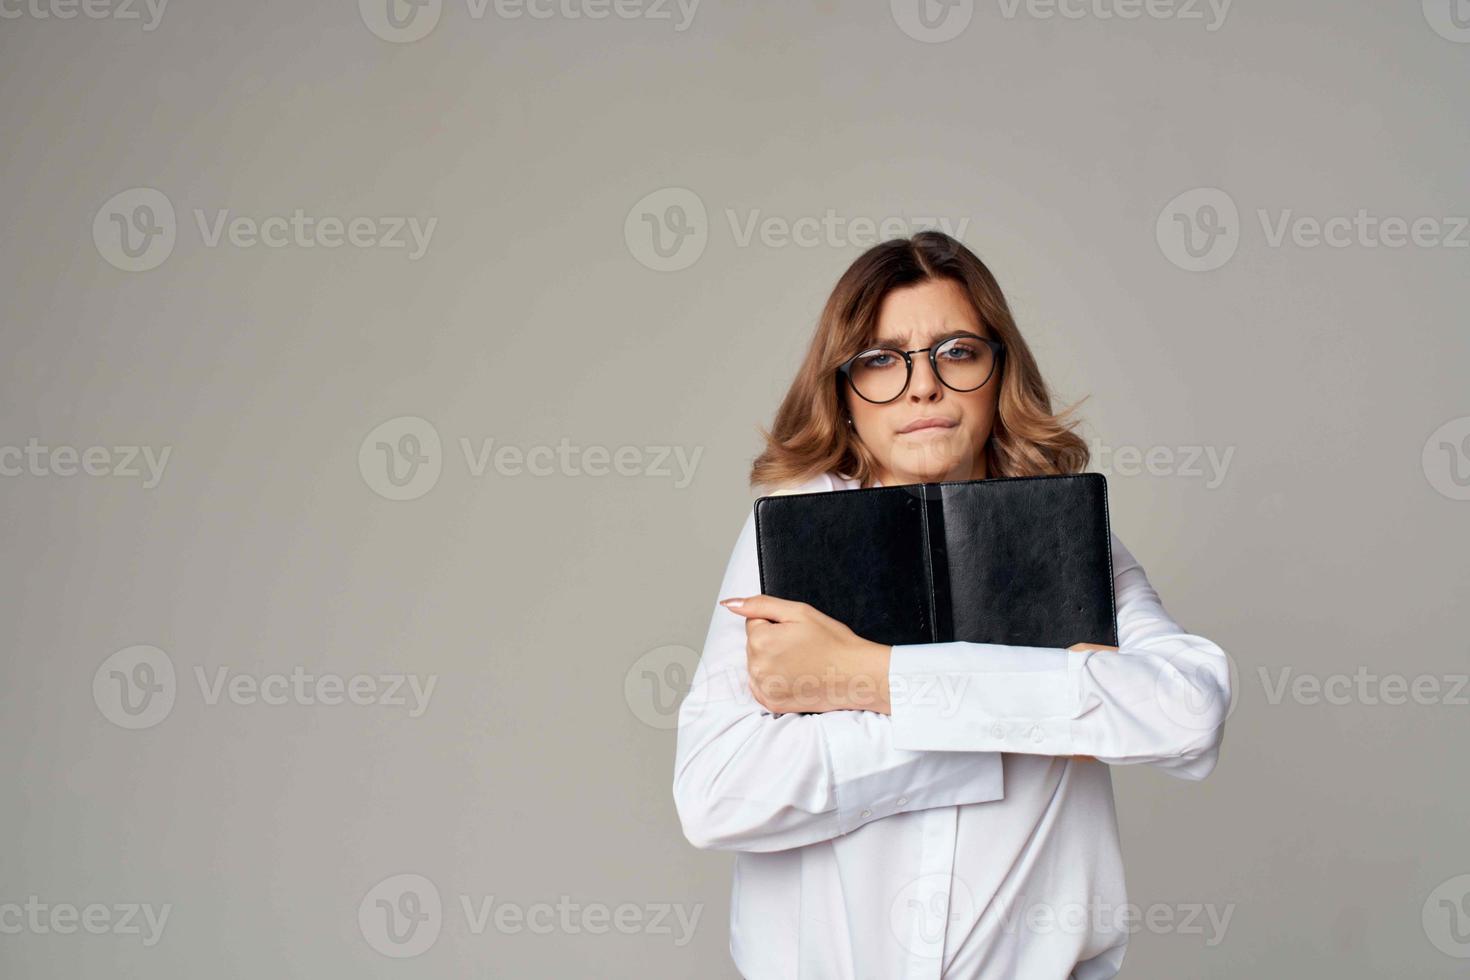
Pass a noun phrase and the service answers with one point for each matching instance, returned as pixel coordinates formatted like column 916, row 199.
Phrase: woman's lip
column 925, row 425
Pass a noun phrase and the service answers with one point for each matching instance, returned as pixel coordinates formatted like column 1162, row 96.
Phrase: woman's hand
column 801, row 659
column 1077, row 648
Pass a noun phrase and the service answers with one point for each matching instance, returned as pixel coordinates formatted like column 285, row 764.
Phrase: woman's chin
column 931, row 464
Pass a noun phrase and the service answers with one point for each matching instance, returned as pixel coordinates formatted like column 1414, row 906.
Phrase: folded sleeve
column 749, row 780
column 1160, row 699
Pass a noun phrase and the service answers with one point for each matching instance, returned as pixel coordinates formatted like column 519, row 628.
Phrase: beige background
column 1333, row 540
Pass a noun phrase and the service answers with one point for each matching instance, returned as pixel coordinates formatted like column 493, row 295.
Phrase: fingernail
column 732, row 603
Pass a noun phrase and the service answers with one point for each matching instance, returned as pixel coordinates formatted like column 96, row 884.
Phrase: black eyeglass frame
column 844, row 370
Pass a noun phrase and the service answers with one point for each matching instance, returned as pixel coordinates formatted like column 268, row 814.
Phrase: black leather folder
column 1025, row 561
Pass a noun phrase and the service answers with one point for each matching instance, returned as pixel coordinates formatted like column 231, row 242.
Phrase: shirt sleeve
column 749, row 780
column 1161, row 699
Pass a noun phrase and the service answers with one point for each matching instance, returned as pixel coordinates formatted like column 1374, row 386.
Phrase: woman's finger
column 766, row 607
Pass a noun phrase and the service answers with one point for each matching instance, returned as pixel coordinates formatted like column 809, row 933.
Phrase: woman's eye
column 959, row 352
column 878, row 360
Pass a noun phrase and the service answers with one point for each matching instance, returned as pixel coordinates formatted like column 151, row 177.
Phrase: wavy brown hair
column 810, row 435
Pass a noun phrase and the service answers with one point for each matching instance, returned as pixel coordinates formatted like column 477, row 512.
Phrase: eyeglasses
column 963, row 362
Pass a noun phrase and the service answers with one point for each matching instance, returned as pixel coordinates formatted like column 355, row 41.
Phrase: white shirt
column 953, row 837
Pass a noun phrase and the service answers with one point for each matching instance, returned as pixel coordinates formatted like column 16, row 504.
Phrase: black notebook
column 1025, row 561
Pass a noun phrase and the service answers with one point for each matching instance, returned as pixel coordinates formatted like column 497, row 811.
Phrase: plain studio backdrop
column 380, row 385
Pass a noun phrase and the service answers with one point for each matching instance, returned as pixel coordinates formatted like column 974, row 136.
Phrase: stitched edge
column 944, row 483
column 928, row 557
column 760, row 555
column 1108, row 533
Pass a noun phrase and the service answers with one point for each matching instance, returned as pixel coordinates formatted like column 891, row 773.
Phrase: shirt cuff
column 873, row 779
column 985, row 697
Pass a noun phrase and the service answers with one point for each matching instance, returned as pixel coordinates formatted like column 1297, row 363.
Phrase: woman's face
column 910, row 318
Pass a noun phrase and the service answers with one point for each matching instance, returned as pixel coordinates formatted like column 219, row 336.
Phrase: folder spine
column 936, row 550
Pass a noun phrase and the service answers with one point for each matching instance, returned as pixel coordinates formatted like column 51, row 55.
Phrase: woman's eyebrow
column 903, row 342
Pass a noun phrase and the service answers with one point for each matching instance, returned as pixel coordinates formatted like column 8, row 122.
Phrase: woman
column 940, row 809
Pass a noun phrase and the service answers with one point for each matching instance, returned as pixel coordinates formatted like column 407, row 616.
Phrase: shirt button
column 866, row 814
column 998, row 731
column 902, row 800
column 1037, row 734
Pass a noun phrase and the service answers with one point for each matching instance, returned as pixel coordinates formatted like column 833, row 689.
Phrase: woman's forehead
column 923, row 313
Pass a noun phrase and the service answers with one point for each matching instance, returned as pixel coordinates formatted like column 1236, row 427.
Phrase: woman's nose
column 923, row 384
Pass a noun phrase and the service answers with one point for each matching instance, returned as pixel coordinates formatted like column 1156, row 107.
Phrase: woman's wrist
column 868, row 685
